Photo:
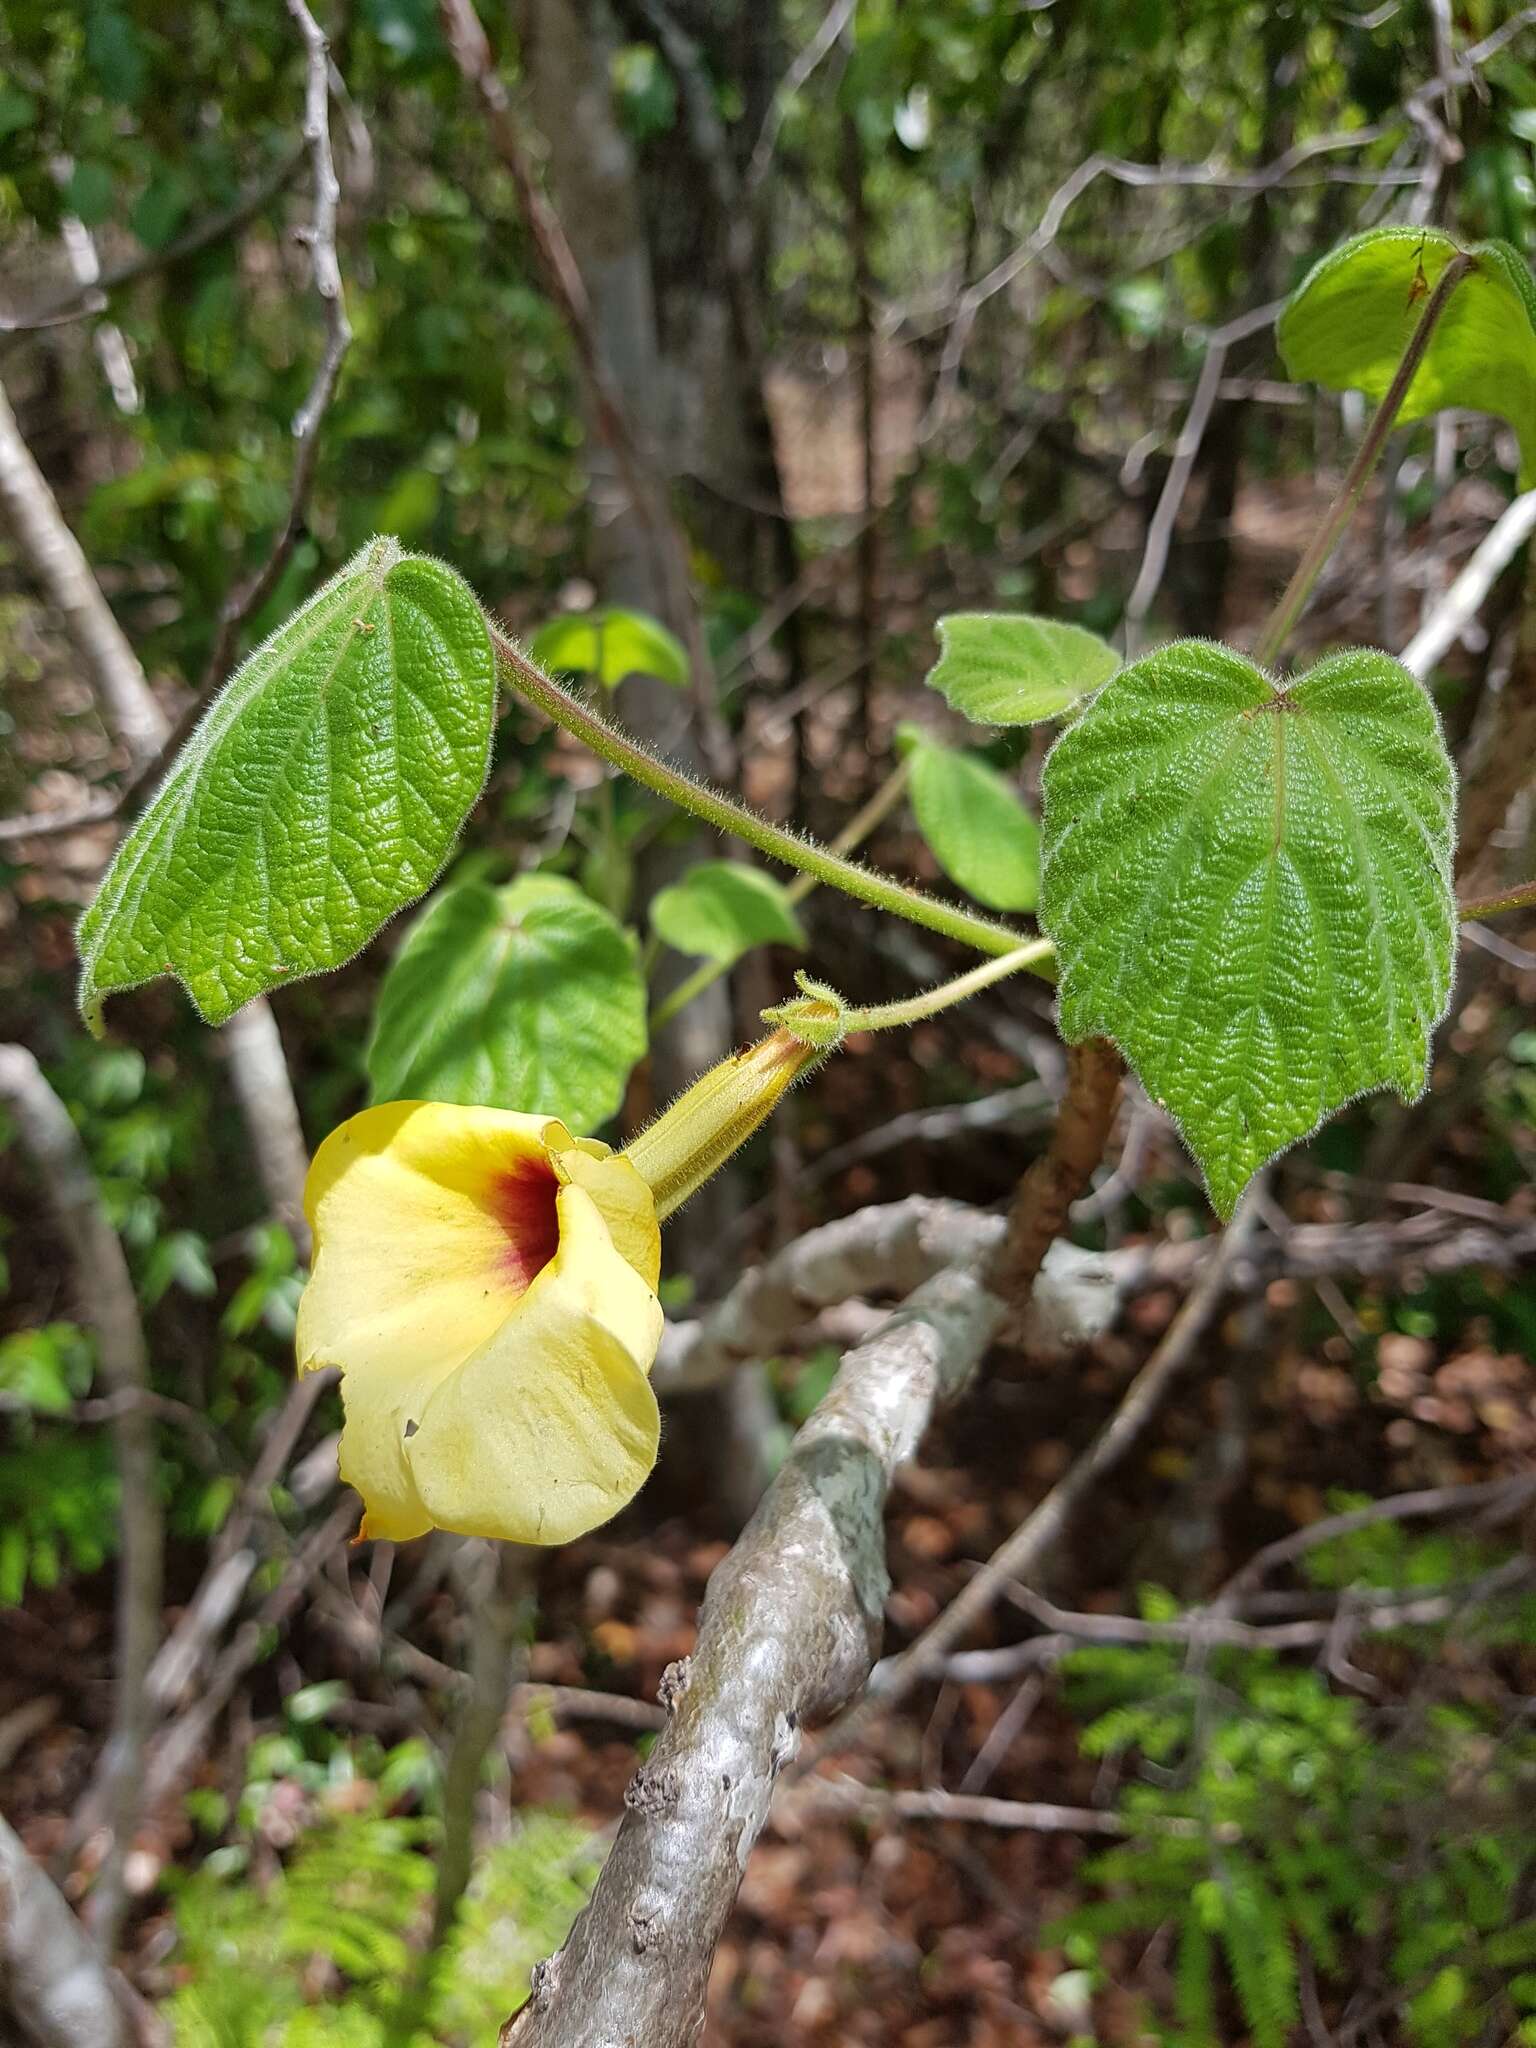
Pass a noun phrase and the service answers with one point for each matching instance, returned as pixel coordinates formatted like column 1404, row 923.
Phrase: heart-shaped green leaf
column 610, row 644
column 1348, row 322
column 527, row 997
column 1011, row 668
column 721, row 909
column 320, row 795
column 1249, row 890
column 975, row 822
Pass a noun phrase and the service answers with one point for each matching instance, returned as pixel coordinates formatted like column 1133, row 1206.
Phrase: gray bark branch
column 52, row 1982
column 789, row 1630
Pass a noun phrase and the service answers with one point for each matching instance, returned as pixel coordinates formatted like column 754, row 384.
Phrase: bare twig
column 789, row 1628
column 1023, row 1551
column 1066, row 196
column 1494, row 1499
column 1154, row 560
column 826, row 38
column 78, row 305
column 495, row 1582
column 105, row 1287
column 843, row 1794
column 1443, row 627
column 59, row 564
column 1215, row 1626
column 320, row 237
column 471, row 51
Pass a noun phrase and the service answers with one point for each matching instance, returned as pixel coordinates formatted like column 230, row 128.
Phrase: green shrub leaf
column 1249, row 890
column 976, row 824
column 1011, row 668
column 1349, row 320
column 321, row 794
column 610, row 644
column 722, row 909
column 525, row 997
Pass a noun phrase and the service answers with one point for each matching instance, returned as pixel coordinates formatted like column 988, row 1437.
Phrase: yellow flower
column 487, row 1285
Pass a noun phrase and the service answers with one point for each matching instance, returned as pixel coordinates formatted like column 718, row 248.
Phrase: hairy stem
column 854, row 833
column 727, row 815
column 1521, row 897
column 1285, row 614
column 913, row 1009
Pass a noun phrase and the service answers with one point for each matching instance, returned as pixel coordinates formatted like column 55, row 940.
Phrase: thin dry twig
column 1023, row 1551
column 1444, row 626
column 471, row 51
column 81, row 304
column 325, row 265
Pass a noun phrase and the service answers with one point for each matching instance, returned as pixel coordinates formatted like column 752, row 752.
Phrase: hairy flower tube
column 487, row 1285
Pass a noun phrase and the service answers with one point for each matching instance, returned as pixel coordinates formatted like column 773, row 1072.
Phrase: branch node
column 675, row 1681
column 652, row 1792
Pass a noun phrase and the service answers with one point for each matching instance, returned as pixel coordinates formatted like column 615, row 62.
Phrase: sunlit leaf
column 721, row 909
column 1249, row 890
column 976, row 824
column 1011, row 668
column 1350, row 319
column 321, row 794
column 525, row 997
column 611, row 644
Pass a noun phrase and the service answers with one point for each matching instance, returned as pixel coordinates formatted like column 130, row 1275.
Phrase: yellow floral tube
column 487, row 1285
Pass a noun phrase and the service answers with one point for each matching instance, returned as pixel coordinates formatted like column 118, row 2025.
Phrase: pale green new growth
column 321, row 794
column 1249, row 889
column 1012, row 668
column 976, row 823
column 610, row 644
column 1349, row 321
column 527, row 997
column 721, row 909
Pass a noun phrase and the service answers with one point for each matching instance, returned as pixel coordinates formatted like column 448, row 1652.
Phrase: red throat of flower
column 523, row 1200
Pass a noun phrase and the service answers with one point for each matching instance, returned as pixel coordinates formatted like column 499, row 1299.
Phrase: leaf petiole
column 727, row 815
column 1293, row 600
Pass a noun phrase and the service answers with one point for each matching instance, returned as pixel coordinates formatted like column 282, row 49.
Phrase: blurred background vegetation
column 909, row 301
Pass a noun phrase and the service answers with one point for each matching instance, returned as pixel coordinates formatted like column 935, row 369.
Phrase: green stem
column 913, row 1009
column 863, row 822
column 727, row 815
column 1278, row 629
column 1521, row 897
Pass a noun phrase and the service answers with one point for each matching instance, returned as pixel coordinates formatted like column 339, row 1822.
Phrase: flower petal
column 551, row 1427
column 430, row 1222
column 624, row 1200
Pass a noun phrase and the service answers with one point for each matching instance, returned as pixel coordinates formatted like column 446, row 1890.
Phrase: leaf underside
column 1249, row 890
column 1012, row 668
column 526, row 997
column 1350, row 319
column 321, row 794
